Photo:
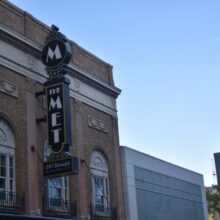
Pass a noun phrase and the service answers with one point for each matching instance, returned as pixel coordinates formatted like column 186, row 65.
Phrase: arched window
column 7, row 157
column 56, row 189
column 100, row 182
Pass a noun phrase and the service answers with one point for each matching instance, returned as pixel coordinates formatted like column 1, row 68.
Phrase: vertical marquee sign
column 58, row 114
column 56, row 55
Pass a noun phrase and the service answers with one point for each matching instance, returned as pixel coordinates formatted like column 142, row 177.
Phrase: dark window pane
column 3, row 160
column 11, row 185
column 106, row 185
column 65, row 194
column 11, row 173
column 11, row 162
column 3, row 171
column 65, row 180
column 2, row 184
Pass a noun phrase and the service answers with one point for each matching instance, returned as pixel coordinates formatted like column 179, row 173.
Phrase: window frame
column 99, row 169
column 7, row 150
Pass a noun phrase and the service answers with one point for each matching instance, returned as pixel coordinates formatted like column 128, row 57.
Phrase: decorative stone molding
column 76, row 85
column 97, row 124
column 31, row 85
column 98, row 161
column 8, row 88
column 30, row 62
column 114, row 103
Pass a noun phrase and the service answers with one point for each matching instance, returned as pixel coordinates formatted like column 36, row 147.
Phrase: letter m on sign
column 55, row 103
column 56, row 53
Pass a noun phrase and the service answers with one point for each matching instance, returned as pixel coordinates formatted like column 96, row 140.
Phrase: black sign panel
column 55, row 53
column 60, row 167
column 58, row 114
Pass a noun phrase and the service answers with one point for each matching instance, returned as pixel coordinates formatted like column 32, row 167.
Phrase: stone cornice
column 24, row 57
column 35, row 49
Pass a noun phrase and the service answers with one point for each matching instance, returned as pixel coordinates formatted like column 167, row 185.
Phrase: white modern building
column 158, row 190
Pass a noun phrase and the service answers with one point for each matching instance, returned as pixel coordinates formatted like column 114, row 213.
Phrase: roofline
column 48, row 28
column 128, row 148
column 37, row 47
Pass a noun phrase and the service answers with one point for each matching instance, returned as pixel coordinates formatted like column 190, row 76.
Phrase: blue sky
column 166, row 58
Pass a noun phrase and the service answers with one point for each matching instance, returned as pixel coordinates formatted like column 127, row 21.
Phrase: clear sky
column 166, row 58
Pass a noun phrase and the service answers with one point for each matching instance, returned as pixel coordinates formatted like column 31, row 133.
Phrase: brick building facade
column 97, row 189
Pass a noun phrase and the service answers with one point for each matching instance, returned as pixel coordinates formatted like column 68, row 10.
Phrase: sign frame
column 65, row 56
column 51, row 167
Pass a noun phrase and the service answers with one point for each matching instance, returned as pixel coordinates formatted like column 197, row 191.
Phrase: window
column 7, row 158
column 57, row 192
column 100, row 182
column 57, row 189
column 164, row 197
